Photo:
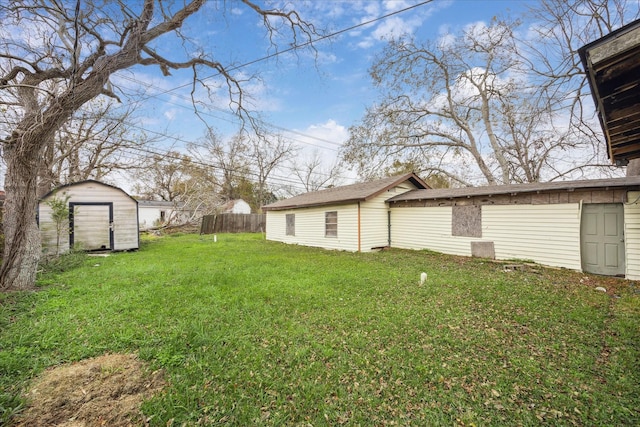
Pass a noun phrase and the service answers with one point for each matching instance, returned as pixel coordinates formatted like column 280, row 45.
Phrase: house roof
column 538, row 187
column 88, row 181
column 612, row 65
column 159, row 204
column 345, row 194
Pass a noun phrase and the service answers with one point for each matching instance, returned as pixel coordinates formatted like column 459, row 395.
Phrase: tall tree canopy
column 494, row 103
column 55, row 56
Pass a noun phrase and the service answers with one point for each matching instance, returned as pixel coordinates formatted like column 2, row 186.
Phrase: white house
column 352, row 217
column 101, row 217
column 237, row 206
column 591, row 225
column 153, row 213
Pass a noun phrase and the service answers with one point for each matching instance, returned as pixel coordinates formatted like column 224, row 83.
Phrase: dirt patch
column 103, row 391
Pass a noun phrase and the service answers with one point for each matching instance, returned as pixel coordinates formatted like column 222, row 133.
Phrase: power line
column 273, row 55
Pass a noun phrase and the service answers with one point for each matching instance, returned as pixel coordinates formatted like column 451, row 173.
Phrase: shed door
column 91, row 226
column 602, row 239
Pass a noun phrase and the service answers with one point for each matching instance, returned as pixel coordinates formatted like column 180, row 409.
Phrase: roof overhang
column 612, row 65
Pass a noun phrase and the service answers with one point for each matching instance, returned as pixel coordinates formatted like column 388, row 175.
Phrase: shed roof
column 538, row 187
column 88, row 181
column 345, row 194
column 612, row 64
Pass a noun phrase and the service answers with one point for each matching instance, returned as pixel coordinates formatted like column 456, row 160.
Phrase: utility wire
column 273, row 55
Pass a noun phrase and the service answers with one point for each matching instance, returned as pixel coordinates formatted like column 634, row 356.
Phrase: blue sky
column 311, row 96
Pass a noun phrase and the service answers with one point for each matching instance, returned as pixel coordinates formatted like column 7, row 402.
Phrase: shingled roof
column 538, row 187
column 345, row 194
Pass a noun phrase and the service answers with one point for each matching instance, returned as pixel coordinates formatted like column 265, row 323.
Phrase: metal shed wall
column 125, row 214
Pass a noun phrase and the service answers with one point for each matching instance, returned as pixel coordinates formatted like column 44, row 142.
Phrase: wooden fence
column 233, row 223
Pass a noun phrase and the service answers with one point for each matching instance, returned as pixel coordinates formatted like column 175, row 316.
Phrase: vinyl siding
column 309, row 227
column 125, row 215
column 427, row 228
column 309, row 224
column 546, row 234
column 517, row 231
column 374, row 227
column 632, row 235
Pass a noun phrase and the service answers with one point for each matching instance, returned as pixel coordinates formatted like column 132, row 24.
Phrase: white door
column 602, row 239
column 91, row 226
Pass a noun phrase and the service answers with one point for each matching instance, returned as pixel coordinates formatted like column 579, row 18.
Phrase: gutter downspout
column 359, row 235
column 389, row 227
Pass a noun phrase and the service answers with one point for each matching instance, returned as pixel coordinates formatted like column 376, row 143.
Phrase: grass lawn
column 250, row 332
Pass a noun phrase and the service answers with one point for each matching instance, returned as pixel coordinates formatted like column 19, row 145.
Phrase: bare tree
column 165, row 177
column 79, row 49
column 463, row 107
column 314, row 175
column 268, row 153
column 176, row 178
column 561, row 28
column 92, row 145
column 229, row 160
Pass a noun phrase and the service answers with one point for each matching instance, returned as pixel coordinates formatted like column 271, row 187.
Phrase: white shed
column 589, row 225
column 101, row 217
column 352, row 217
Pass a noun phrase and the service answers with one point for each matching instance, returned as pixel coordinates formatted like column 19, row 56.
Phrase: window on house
column 291, row 225
column 331, row 224
column 163, row 215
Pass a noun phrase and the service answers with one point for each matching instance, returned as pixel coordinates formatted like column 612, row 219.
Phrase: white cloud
column 170, row 114
column 329, row 131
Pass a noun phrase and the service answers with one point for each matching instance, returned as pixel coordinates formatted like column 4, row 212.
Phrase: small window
column 331, row 224
column 163, row 215
column 291, row 224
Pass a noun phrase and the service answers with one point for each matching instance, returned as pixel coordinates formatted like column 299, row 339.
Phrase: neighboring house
column 352, row 217
column 154, row 213
column 238, row 206
column 592, row 226
column 101, row 217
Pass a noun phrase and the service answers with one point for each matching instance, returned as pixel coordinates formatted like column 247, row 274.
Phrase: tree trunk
column 633, row 168
column 22, row 246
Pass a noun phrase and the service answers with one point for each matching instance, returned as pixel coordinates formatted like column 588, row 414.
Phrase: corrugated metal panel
column 310, row 227
column 125, row 222
column 48, row 232
column 632, row 235
column 91, row 227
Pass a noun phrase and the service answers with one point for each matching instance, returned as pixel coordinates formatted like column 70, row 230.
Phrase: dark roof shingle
column 452, row 193
column 345, row 194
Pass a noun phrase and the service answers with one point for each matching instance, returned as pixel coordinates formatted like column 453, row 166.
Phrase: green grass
column 252, row 332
